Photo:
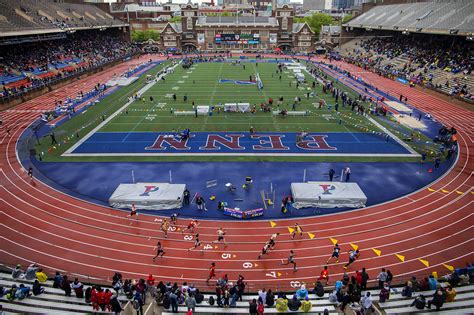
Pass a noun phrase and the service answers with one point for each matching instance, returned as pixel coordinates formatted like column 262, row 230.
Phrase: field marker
column 459, row 192
column 291, row 230
column 424, row 262
column 449, row 267
column 445, row 191
column 333, row 241
column 431, row 189
column 272, row 224
column 311, row 235
column 354, row 246
column 402, row 258
column 377, row 252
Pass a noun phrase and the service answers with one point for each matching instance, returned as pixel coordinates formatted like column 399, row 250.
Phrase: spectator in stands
column 407, row 290
column 281, row 305
column 190, row 302
column 22, row 292
column 17, row 273
column 365, row 279
column 414, row 283
column 31, row 272
column 37, row 288
column 294, row 304
column 174, row 302
column 450, row 293
column 270, row 300
column 424, row 284
column 58, row 279
column 419, row 302
column 262, row 294
column 433, row 283
column 439, row 297
column 66, row 286
column 382, row 277
column 366, row 303
column 78, row 288
column 41, row 276
column 115, row 304
column 319, row 289
column 253, row 307
column 384, row 294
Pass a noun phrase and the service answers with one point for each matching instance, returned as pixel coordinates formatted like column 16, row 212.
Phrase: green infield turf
column 155, row 110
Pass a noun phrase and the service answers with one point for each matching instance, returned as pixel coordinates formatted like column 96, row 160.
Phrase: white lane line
column 240, row 251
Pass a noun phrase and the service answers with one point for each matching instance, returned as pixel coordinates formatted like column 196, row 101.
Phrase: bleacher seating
column 44, row 14
column 53, row 301
column 435, row 16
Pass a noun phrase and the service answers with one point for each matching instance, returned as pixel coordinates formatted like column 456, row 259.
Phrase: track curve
column 61, row 232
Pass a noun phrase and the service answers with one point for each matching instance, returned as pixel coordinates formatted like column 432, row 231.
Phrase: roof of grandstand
column 237, row 20
column 41, row 16
column 441, row 17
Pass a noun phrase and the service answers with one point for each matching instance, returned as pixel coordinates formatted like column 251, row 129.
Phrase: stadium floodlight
column 470, row 38
column 453, row 32
column 406, row 32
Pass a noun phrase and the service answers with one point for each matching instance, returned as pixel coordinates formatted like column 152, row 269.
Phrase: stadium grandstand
column 425, row 43
column 45, row 42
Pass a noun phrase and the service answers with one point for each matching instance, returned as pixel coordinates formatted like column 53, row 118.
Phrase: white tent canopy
column 327, row 195
column 148, row 196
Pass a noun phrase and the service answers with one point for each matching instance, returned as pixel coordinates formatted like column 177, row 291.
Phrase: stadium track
column 60, row 232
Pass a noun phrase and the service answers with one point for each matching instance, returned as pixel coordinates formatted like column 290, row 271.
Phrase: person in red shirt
column 94, row 299
column 101, row 299
column 324, row 275
column 358, row 277
column 212, row 272
column 150, row 281
column 108, row 296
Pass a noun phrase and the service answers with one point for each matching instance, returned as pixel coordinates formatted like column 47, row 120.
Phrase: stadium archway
column 285, row 47
column 189, row 47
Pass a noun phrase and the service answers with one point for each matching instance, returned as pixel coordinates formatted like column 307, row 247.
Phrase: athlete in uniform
column 159, row 251
column 335, row 253
column 291, row 260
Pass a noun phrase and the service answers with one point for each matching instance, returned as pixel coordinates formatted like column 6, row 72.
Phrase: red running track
column 61, row 232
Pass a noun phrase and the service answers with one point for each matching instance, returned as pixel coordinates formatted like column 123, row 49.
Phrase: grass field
column 201, row 84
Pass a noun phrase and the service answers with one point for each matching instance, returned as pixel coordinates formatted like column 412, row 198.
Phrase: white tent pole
column 133, row 177
column 171, row 179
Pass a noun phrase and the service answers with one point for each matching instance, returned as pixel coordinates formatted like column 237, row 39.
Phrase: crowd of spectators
column 423, row 56
column 349, row 292
column 41, row 63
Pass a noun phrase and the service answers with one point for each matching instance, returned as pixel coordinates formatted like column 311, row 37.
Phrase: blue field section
column 261, row 143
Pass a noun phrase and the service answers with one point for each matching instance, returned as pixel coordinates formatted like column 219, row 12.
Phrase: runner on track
column 197, row 243
column 165, row 226
column 272, row 240
column 291, row 260
column 191, row 226
column 335, row 253
column 265, row 249
column 174, row 218
column 212, row 272
column 159, row 250
column 297, row 230
column 353, row 255
column 220, row 236
column 133, row 213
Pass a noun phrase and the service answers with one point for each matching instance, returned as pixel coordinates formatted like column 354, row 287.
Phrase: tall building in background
column 342, row 4
column 317, row 5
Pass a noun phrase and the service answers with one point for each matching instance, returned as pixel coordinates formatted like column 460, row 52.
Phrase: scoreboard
column 237, row 38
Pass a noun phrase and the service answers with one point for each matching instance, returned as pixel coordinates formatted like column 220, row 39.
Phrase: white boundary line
column 242, row 154
column 116, row 113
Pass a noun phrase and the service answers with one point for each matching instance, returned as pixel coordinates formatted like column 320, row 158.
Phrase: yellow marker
column 402, row 258
column 256, row 265
column 333, row 241
column 424, row 262
column 234, row 255
column 435, row 274
column 377, row 252
column 459, row 192
column 279, row 274
column 449, row 267
column 291, row 230
column 354, row 246
column 311, row 236
column 431, row 189
column 445, row 191
column 272, row 224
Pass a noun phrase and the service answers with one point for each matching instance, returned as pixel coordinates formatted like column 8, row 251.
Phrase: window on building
column 189, row 23
column 209, row 45
column 284, row 23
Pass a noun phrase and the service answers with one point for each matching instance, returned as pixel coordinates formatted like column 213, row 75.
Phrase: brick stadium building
column 238, row 33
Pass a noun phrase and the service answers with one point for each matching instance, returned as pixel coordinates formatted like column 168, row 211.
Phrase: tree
column 142, row 36
column 175, row 19
column 317, row 20
column 346, row 18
